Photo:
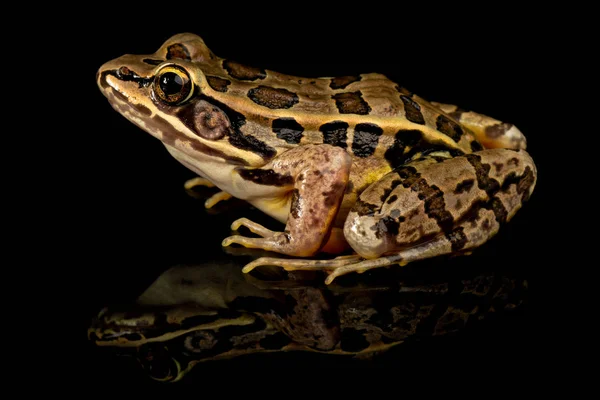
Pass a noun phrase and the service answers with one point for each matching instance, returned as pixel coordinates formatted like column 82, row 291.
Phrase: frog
column 362, row 172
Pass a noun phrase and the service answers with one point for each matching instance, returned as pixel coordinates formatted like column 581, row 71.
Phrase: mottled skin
column 304, row 149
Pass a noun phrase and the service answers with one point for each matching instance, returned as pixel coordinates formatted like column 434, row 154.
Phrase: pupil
column 171, row 83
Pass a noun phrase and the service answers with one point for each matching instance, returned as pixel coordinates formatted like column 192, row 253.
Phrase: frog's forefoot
column 212, row 200
column 216, row 198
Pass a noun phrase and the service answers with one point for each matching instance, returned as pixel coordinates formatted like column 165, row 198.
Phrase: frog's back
column 367, row 114
column 351, row 110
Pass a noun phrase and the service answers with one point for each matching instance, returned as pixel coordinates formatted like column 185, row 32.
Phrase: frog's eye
column 172, row 85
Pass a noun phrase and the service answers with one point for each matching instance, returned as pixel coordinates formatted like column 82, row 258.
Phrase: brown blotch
column 386, row 226
column 497, row 130
column 343, row 81
column 218, row 84
column 432, row 196
column 498, row 166
column 449, row 127
column 464, row 186
column 362, row 208
column 499, row 210
column 143, row 110
column 351, row 103
column 295, row 204
column 243, row 72
column 484, row 181
column 266, row 177
column 273, row 98
column 331, row 197
column 524, row 183
column 412, row 110
column 178, row 51
column 513, row 161
column 392, row 199
column 476, row 146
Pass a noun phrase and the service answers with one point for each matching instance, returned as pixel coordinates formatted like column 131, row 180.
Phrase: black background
column 130, row 219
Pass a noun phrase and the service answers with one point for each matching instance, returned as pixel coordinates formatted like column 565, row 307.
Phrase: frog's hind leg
column 428, row 208
column 488, row 131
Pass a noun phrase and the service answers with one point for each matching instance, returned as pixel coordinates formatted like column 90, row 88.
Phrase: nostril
column 123, row 71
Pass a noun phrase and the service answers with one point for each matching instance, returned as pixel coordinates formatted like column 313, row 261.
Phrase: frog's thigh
column 318, row 175
column 429, row 208
column 488, row 131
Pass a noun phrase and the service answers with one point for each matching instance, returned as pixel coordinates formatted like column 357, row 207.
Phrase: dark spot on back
column 464, row 186
column 266, row 177
column 335, row 133
column 404, row 138
column 152, row 61
column 412, row 110
column 448, row 127
column 218, row 84
column 366, row 138
column 458, row 238
column 351, row 103
column 392, row 199
column 343, row 81
column 178, row 51
column 476, row 146
column 497, row 130
column 498, row 166
column 513, row 161
column 272, row 97
column 288, row 129
column 243, row 72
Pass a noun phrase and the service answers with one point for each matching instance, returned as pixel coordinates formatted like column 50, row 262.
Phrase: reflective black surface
column 203, row 313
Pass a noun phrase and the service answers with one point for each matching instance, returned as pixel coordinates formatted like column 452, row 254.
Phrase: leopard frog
column 195, row 314
column 352, row 164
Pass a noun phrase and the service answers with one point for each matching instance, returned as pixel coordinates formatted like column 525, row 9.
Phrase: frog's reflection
column 207, row 312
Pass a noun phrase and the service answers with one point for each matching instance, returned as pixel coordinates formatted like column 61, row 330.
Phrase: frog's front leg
column 307, row 184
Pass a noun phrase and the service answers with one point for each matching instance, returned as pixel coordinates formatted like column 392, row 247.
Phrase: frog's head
column 166, row 95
